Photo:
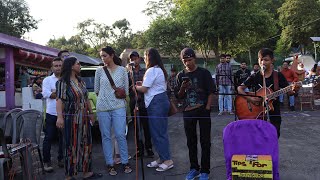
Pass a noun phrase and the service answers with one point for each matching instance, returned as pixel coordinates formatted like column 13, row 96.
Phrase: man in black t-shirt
column 195, row 87
column 266, row 58
column 242, row 74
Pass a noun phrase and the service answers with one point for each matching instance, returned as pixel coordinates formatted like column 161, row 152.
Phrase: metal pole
column 315, row 51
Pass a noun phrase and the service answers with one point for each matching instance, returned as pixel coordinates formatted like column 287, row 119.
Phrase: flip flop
column 94, row 176
column 153, row 164
column 163, row 167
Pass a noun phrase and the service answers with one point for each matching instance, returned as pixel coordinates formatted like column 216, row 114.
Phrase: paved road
column 299, row 150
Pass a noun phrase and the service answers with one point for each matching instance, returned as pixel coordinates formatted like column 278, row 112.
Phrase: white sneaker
column 48, row 167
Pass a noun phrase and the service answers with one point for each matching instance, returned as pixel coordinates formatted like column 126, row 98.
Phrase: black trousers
column 275, row 120
column 191, row 118
column 144, row 123
column 51, row 132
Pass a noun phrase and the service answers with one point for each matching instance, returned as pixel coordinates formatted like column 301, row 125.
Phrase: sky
column 60, row 17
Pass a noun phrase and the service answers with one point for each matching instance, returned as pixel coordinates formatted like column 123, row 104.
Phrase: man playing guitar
column 256, row 81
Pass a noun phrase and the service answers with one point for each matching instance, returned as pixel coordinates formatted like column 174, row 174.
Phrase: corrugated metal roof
column 316, row 39
column 86, row 59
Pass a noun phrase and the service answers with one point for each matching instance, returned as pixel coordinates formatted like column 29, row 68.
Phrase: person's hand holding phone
column 185, row 82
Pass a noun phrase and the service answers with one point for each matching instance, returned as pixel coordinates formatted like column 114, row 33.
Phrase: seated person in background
column 36, row 87
column 301, row 72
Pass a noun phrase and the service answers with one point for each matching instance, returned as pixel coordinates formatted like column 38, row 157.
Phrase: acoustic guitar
column 248, row 110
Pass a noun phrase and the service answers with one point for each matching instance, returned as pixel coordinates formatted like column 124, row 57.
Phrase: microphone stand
column 265, row 100
column 137, row 119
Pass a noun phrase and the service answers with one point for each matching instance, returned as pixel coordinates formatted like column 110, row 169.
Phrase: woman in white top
column 111, row 111
column 154, row 87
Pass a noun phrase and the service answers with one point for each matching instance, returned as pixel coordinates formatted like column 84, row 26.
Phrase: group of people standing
column 69, row 112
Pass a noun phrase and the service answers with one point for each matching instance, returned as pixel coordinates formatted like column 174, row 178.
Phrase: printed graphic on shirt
column 194, row 99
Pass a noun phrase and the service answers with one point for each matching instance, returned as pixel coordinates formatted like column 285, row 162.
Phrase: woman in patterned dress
column 74, row 115
column 111, row 111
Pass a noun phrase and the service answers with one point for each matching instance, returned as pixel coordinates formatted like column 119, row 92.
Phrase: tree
column 168, row 35
column 161, row 8
column 300, row 21
column 121, row 35
column 74, row 44
column 15, row 19
column 95, row 34
column 230, row 26
column 139, row 40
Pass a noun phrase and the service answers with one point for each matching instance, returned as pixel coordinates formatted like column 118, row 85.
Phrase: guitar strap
column 275, row 81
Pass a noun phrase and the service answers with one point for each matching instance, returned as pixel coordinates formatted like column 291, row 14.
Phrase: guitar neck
column 281, row 91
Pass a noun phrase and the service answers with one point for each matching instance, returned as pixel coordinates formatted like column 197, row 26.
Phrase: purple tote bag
column 251, row 137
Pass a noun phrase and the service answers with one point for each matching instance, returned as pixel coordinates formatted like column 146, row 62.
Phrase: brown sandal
column 112, row 171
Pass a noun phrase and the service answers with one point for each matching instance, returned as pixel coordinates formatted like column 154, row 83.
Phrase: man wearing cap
column 195, row 87
column 137, row 75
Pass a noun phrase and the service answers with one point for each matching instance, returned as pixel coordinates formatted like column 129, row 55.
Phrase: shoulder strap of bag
column 109, row 77
column 275, row 81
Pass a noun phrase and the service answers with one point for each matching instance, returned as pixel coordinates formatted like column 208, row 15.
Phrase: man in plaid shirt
column 224, row 82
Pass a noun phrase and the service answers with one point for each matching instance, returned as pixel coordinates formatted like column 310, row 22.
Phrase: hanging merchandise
column 37, row 72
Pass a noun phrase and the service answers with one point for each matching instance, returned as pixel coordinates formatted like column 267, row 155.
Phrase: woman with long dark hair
column 154, row 87
column 74, row 115
column 111, row 110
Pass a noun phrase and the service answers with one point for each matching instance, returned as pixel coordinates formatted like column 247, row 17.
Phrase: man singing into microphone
column 137, row 76
column 266, row 58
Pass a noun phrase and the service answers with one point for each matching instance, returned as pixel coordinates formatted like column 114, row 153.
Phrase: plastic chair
column 4, row 156
column 306, row 96
column 8, row 120
column 251, row 137
column 27, row 126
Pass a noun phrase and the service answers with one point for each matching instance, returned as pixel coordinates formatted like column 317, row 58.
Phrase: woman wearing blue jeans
column 111, row 111
column 154, row 87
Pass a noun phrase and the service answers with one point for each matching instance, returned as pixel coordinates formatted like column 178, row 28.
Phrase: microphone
column 263, row 68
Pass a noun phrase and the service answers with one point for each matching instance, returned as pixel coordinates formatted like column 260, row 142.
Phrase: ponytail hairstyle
column 109, row 50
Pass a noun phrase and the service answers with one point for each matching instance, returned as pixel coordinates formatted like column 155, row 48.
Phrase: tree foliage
column 74, row 44
column 15, row 19
column 300, row 21
column 95, row 34
column 168, row 35
column 121, row 34
column 160, row 8
column 230, row 26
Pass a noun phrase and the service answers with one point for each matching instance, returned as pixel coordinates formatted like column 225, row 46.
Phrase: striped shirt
column 106, row 100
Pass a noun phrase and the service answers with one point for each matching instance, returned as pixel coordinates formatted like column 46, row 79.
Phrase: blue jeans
column 225, row 101
column 291, row 99
column 115, row 119
column 158, row 122
column 51, row 132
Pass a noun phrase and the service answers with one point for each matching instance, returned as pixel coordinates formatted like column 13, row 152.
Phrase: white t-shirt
column 48, row 86
column 155, row 81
